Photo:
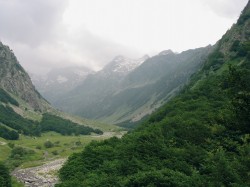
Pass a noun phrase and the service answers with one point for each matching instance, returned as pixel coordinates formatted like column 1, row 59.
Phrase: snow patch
column 61, row 79
column 125, row 65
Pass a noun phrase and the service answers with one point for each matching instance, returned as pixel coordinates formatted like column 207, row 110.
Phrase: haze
column 46, row 34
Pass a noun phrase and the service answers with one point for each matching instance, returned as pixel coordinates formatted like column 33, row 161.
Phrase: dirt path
column 40, row 176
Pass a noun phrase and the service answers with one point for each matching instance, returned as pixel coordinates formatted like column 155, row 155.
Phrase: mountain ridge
column 114, row 98
column 15, row 80
column 199, row 138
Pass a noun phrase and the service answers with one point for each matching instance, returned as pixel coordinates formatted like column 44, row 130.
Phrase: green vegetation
column 5, row 179
column 17, row 122
column 48, row 123
column 6, row 98
column 8, row 134
column 65, row 127
column 48, row 144
column 195, row 140
column 33, row 151
column 199, row 138
column 16, row 183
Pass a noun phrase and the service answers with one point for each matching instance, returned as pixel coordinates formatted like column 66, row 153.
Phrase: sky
column 47, row 34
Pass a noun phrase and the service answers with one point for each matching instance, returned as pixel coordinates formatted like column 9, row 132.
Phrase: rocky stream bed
column 40, row 176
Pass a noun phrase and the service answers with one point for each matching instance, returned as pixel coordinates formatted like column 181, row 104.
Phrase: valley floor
column 41, row 167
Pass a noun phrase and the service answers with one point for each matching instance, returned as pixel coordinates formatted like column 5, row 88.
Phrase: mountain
column 59, row 81
column 122, row 65
column 24, row 111
column 16, row 81
column 198, row 138
column 99, row 84
column 127, row 90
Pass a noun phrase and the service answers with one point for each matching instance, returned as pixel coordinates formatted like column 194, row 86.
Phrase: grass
column 15, row 183
column 5, row 151
column 63, row 146
column 91, row 123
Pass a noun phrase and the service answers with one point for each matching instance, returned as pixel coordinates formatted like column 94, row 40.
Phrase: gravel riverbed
column 40, row 176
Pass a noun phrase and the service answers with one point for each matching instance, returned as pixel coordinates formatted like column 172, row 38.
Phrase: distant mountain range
column 22, row 108
column 125, row 90
column 59, row 81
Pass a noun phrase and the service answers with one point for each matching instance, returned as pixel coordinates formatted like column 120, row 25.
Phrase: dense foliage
column 64, row 127
column 195, row 140
column 8, row 134
column 6, row 98
column 5, row 179
column 28, row 127
column 17, row 122
column 199, row 138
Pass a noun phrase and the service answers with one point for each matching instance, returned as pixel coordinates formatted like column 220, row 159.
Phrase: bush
column 48, row 144
column 55, row 152
column 11, row 145
column 38, row 147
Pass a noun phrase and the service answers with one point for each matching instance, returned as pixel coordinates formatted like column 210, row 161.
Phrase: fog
column 45, row 34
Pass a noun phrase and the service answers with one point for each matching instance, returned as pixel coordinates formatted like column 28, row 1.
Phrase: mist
column 47, row 34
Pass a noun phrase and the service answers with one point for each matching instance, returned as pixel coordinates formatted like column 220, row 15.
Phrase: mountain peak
column 118, row 58
column 123, row 65
column 166, row 52
column 16, row 81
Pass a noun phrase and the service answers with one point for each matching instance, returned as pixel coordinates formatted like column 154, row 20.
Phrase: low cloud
column 30, row 21
column 41, row 38
column 34, row 29
column 226, row 8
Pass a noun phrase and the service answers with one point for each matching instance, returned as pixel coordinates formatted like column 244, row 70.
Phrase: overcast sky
column 56, row 33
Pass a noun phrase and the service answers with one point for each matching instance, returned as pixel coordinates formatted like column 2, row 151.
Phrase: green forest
column 20, row 125
column 6, row 98
column 199, row 138
column 5, row 179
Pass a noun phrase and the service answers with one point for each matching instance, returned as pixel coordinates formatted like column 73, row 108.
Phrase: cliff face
column 15, row 80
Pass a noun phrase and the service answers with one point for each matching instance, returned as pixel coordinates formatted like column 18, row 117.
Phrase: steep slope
column 116, row 97
column 16, row 81
column 99, row 85
column 59, row 81
column 199, row 138
column 22, row 108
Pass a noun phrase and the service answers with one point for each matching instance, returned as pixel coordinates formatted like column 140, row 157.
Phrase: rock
column 39, row 176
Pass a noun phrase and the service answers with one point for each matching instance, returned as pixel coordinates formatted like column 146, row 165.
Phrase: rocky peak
column 15, row 80
column 123, row 65
column 166, row 52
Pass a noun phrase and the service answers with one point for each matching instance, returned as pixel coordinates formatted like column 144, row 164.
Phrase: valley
column 41, row 161
column 170, row 119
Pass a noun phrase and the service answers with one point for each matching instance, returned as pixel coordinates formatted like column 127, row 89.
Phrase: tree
column 239, row 83
column 5, row 179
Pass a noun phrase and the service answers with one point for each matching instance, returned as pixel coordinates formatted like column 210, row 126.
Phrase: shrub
column 48, row 144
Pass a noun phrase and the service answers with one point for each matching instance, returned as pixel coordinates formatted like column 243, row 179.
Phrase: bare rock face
column 15, row 80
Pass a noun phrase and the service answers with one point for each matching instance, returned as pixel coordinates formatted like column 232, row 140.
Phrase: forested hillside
column 20, row 125
column 199, row 138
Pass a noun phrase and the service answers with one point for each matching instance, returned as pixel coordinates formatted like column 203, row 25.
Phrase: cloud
column 46, row 34
column 226, row 8
column 41, row 41
column 30, row 21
